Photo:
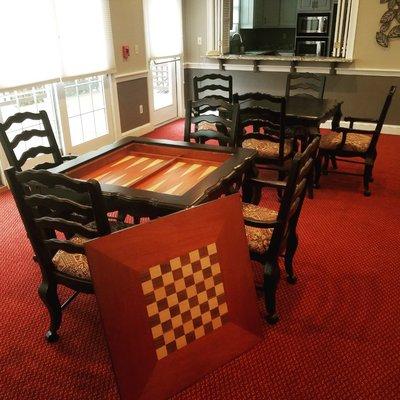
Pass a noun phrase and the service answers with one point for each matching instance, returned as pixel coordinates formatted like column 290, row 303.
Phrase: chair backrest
column 260, row 110
column 300, row 175
column 225, row 123
column 10, row 145
column 305, row 85
column 216, row 86
column 382, row 118
column 51, row 217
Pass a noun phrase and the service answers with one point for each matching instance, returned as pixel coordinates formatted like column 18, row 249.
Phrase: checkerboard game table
column 147, row 177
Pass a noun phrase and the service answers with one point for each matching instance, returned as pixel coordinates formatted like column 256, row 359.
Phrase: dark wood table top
column 160, row 176
column 307, row 110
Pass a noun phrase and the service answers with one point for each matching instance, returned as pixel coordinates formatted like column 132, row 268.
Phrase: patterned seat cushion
column 266, row 148
column 259, row 238
column 207, row 126
column 76, row 265
column 355, row 142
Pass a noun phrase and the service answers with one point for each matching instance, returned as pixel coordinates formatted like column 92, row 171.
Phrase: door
column 164, row 91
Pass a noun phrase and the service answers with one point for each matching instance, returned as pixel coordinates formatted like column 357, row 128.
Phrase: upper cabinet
column 267, row 14
column 314, row 5
column 288, row 14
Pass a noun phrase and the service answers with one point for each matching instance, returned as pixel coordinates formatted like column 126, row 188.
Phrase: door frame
column 180, row 96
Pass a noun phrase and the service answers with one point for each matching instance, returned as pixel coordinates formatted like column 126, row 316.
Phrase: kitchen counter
column 258, row 57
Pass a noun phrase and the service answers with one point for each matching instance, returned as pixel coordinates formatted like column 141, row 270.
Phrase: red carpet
column 339, row 334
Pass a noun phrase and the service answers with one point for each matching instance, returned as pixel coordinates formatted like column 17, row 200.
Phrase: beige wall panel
column 363, row 96
column 367, row 53
column 128, row 29
column 131, row 94
column 194, row 26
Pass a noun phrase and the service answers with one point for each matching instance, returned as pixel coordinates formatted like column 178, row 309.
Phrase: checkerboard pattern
column 185, row 299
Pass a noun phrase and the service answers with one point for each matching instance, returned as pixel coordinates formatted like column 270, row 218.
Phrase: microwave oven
column 312, row 47
column 311, row 24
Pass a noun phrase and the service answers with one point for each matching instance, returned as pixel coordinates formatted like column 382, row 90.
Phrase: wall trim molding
column 387, row 129
column 139, row 131
column 130, row 76
column 368, row 72
column 299, row 68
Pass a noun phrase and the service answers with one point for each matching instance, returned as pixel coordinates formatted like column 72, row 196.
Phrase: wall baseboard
column 139, row 131
column 387, row 129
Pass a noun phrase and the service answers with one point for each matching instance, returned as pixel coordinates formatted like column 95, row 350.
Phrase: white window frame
column 93, row 144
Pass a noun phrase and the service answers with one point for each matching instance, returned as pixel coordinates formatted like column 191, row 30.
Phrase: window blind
column 164, row 27
column 49, row 40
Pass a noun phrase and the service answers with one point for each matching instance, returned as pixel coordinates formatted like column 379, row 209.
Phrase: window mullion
column 62, row 111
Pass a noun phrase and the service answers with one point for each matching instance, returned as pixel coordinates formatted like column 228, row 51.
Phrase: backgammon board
column 160, row 176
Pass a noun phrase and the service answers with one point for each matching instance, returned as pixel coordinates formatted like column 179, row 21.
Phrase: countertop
column 252, row 57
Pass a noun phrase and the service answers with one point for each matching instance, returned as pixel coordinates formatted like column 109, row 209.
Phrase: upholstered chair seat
column 258, row 238
column 355, row 142
column 207, row 126
column 76, row 265
column 267, row 148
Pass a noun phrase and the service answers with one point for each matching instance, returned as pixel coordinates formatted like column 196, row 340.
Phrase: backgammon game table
column 156, row 177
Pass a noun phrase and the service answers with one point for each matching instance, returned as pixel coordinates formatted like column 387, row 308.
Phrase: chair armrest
column 260, row 224
column 68, row 157
column 265, row 183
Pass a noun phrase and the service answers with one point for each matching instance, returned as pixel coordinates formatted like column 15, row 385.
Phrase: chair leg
column 291, row 248
column 325, row 165
column 367, row 177
column 334, row 162
column 318, row 164
column 271, row 280
column 49, row 296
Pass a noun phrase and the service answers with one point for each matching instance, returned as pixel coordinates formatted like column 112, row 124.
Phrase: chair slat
column 18, row 118
column 63, row 225
column 33, row 152
column 27, row 135
column 213, row 87
column 65, row 245
column 58, row 204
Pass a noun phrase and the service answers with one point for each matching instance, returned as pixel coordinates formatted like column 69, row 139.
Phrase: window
column 86, row 108
column 33, row 100
column 226, row 15
column 235, row 16
column 81, row 118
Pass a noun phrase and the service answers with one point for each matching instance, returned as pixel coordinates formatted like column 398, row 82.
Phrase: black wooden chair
column 10, row 145
column 199, row 123
column 58, row 241
column 270, row 233
column 262, row 128
column 350, row 143
column 216, row 86
column 213, row 86
column 305, row 85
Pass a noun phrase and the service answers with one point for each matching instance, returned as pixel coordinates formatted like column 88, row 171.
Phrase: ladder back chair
column 350, row 143
column 57, row 228
column 213, row 86
column 216, row 86
column 199, row 123
column 262, row 128
column 10, row 145
column 305, row 85
column 272, row 233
